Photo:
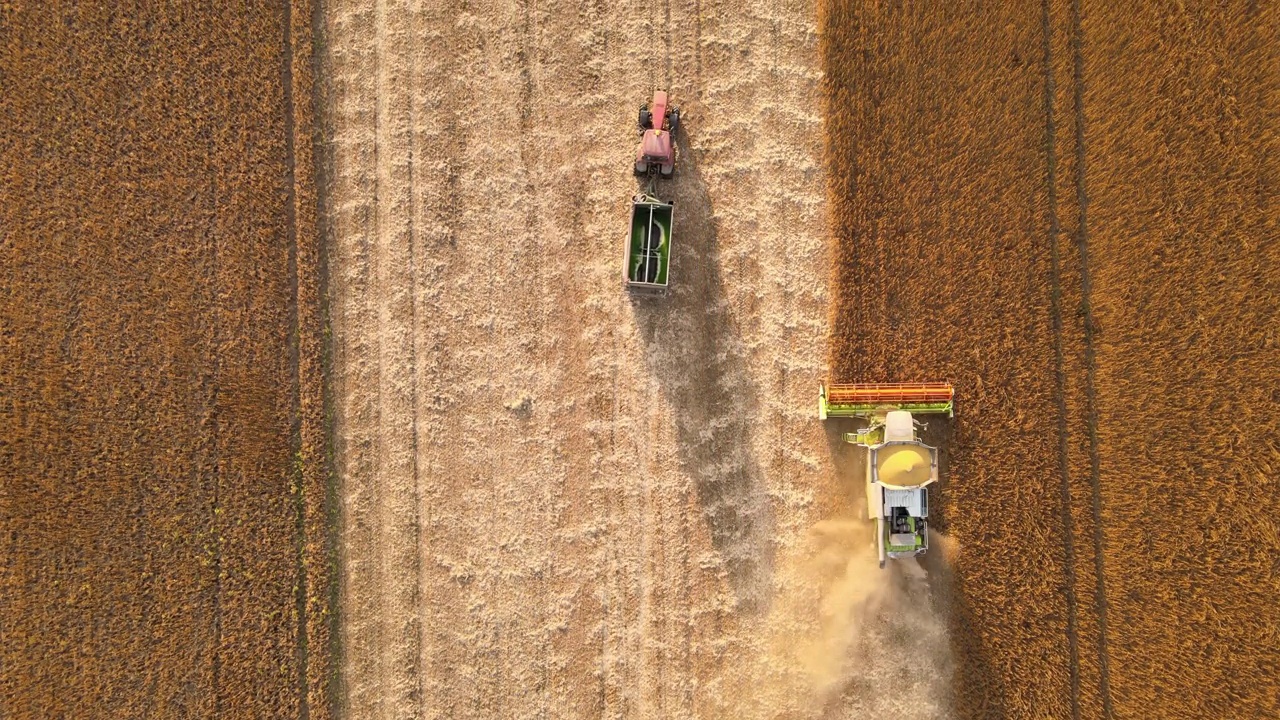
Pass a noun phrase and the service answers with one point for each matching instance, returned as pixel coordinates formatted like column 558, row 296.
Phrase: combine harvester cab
column 899, row 466
column 648, row 251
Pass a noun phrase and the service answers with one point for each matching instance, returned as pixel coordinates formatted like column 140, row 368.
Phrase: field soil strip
column 945, row 271
column 557, row 502
column 159, row 421
column 1181, row 107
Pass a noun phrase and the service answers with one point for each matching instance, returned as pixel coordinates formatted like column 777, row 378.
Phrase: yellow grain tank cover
column 903, row 465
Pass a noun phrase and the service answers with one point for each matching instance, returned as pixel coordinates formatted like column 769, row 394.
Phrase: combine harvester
column 648, row 250
column 899, row 466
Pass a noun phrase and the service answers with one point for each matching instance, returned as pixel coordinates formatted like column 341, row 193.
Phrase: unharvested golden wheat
column 1111, row 468
column 161, row 439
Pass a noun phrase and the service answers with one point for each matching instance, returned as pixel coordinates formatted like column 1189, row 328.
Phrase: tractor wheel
column 646, row 118
column 667, row 170
column 641, row 168
column 673, row 120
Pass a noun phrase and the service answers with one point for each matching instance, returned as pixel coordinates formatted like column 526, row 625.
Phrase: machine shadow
column 850, row 463
column 697, row 356
column 973, row 667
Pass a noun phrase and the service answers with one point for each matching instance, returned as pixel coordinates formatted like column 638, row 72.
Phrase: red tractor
column 658, row 125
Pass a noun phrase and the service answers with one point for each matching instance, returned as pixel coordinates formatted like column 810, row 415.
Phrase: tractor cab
column 658, row 123
column 907, row 534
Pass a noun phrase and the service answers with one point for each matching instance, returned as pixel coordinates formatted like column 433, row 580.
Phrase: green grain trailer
column 648, row 255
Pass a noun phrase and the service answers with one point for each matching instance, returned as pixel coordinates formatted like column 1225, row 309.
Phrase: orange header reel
column 866, row 399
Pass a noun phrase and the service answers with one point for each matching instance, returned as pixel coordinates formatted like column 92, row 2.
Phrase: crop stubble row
column 163, row 490
column 1063, row 210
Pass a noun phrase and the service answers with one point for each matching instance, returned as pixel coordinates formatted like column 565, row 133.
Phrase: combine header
column 648, row 250
column 865, row 399
column 899, row 465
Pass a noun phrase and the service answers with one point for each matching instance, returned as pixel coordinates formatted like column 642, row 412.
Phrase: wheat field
column 1068, row 210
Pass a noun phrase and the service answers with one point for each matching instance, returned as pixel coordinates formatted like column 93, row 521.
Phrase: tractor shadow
column 697, row 355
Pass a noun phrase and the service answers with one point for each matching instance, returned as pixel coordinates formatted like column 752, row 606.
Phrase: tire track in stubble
column 416, row 699
column 543, row 238
column 658, row 542
column 528, row 56
column 351, row 58
column 442, row 139
column 633, row 576
column 666, row 40
column 384, row 519
column 685, row 685
column 525, row 124
column 1090, row 359
column 636, row 416
column 1060, row 379
column 582, row 430
column 382, row 662
column 694, row 95
column 396, row 471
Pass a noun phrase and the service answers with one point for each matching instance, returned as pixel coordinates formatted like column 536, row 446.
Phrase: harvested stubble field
column 558, row 502
column 1068, row 211
column 162, row 484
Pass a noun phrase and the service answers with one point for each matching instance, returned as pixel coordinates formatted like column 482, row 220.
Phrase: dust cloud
column 844, row 638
